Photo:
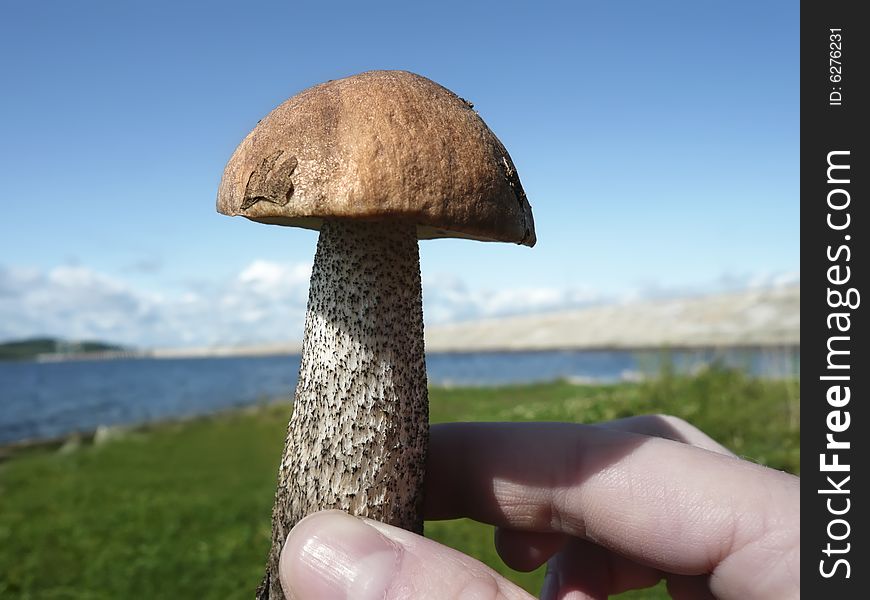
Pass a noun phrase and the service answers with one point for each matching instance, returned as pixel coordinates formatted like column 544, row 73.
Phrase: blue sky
column 658, row 144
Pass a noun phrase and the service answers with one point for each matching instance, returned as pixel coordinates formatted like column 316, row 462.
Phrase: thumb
column 333, row 555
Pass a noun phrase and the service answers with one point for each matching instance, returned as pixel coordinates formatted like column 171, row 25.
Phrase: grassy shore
column 182, row 510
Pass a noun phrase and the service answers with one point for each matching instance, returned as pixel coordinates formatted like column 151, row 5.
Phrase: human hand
column 610, row 508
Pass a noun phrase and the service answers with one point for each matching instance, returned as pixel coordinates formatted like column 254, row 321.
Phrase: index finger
column 665, row 504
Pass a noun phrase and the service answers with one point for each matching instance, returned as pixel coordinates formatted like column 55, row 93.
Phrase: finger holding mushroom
column 374, row 162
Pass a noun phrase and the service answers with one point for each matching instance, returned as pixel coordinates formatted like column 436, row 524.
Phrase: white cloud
column 268, row 275
column 72, row 301
column 264, row 302
column 446, row 298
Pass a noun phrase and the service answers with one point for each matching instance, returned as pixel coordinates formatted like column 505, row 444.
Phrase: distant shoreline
column 255, row 352
column 753, row 319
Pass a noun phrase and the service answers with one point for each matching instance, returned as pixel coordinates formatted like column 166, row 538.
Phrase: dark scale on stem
column 359, row 432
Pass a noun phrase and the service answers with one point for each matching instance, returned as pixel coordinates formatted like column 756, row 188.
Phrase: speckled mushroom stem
column 358, row 435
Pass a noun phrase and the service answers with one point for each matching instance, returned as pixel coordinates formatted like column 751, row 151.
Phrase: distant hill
column 31, row 348
column 749, row 318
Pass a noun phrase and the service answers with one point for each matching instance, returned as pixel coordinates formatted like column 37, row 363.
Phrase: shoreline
column 255, row 353
column 106, row 432
column 745, row 320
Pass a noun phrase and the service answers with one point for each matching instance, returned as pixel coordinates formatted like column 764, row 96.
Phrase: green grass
column 182, row 510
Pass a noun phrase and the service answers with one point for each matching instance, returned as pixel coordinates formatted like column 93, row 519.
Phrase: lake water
column 45, row 400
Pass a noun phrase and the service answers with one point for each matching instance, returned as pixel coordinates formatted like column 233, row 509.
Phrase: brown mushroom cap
column 376, row 146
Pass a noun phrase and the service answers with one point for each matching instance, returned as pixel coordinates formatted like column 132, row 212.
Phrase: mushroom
column 374, row 162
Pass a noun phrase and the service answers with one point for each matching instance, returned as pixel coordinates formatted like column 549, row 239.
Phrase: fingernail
column 333, row 555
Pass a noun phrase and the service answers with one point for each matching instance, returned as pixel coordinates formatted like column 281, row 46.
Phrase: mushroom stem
column 358, row 435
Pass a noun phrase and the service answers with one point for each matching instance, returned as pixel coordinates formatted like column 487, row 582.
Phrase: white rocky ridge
column 764, row 317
